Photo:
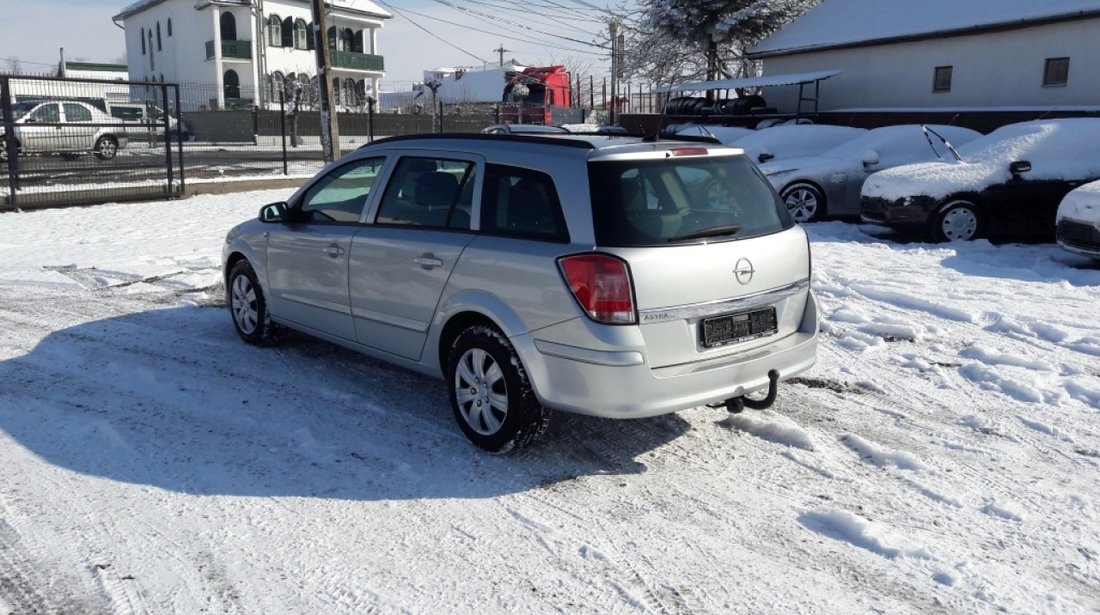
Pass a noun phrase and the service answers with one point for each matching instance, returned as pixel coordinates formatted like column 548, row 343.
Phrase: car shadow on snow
column 174, row 399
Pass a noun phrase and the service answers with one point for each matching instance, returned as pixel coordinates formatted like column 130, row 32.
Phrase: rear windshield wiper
column 710, row 231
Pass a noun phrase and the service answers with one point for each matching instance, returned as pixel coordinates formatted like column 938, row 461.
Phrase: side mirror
column 870, row 158
column 1018, row 168
column 765, row 156
column 273, row 212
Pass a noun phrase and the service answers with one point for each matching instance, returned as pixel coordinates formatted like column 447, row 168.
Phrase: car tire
column 248, row 306
column 106, row 147
column 490, row 393
column 805, row 201
column 958, row 220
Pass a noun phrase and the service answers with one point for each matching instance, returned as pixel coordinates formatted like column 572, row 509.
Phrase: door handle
column 333, row 250
column 428, row 261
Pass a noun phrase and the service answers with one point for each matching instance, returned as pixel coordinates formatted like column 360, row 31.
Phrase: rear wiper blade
column 710, row 231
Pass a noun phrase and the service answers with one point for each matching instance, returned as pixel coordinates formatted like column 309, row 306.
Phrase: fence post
column 167, row 137
column 282, row 126
column 370, row 118
column 9, row 140
column 179, row 135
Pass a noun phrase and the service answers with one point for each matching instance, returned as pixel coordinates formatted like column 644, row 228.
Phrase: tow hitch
column 737, row 404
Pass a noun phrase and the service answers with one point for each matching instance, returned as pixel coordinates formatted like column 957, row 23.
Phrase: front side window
column 46, row 113
column 682, row 200
column 430, row 192
column 941, row 79
column 77, row 113
column 340, row 196
column 521, row 202
column 1056, row 72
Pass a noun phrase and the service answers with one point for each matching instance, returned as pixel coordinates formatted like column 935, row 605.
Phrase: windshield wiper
column 710, row 231
column 954, row 152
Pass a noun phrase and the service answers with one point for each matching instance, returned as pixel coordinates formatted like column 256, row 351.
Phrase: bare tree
column 13, row 66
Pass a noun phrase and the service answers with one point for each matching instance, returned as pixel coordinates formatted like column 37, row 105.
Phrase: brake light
column 601, row 285
column 688, row 151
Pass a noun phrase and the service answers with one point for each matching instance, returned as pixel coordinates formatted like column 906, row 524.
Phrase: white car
column 830, row 184
column 1078, row 221
column 67, row 127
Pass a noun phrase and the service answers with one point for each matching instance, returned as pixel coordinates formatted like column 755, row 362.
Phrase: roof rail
column 564, row 140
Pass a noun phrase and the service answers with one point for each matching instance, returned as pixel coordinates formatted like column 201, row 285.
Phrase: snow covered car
column 515, row 129
column 64, row 127
column 830, row 184
column 1009, row 181
column 725, row 134
column 582, row 273
column 787, row 141
column 1077, row 224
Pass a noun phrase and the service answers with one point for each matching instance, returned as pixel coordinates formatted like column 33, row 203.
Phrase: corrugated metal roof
column 835, row 23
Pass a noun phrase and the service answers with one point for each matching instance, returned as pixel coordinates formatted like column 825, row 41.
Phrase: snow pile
column 944, row 447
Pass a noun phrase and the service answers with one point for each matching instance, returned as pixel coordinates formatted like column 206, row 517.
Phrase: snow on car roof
column 841, row 22
column 907, row 140
column 1056, row 149
column 796, row 140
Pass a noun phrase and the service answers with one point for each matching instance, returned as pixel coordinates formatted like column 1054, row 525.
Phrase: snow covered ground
column 942, row 456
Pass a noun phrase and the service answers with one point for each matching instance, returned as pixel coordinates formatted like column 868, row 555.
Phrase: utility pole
column 330, row 129
column 501, row 50
column 613, row 30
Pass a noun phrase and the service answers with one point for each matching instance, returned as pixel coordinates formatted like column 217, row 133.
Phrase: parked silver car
column 67, row 127
column 599, row 275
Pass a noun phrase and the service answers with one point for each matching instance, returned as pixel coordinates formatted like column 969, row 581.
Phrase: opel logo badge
column 743, row 271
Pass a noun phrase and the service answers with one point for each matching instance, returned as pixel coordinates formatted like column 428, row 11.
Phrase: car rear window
column 686, row 199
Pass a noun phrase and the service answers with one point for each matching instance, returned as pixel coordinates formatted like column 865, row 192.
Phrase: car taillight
column 601, row 285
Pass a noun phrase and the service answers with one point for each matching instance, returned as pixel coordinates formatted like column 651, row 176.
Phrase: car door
column 1027, row 206
column 401, row 262
column 78, row 133
column 41, row 131
column 307, row 257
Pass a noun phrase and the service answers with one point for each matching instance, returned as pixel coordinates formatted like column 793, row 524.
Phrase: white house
column 239, row 53
column 941, row 54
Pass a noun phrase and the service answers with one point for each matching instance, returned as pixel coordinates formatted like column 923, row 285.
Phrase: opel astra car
column 830, row 184
column 599, row 275
column 64, row 127
column 1008, row 182
column 1077, row 224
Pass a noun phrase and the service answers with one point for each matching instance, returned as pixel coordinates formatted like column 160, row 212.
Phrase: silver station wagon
column 608, row 276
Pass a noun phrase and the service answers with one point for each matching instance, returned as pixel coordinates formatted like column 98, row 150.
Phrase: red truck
column 535, row 92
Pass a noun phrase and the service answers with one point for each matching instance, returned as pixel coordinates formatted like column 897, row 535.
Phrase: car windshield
column 682, row 200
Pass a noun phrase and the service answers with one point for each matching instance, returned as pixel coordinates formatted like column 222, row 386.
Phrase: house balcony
column 357, row 61
column 241, row 50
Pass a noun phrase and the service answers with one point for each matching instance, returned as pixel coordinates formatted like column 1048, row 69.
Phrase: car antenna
column 656, row 136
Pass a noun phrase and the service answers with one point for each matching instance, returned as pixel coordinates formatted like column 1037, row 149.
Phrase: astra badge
column 743, row 271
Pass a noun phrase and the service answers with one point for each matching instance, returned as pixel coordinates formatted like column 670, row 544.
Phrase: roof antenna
column 656, row 136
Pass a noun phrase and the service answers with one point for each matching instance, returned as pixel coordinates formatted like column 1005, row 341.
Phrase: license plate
column 732, row 328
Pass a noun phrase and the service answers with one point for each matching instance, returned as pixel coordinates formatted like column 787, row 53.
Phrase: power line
column 520, row 25
column 432, row 34
column 500, row 34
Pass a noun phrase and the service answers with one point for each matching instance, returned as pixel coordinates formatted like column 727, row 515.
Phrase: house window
column 231, row 85
column 1056, row 72
column 941, row 79
column 143, row 41
column 169, row 26
column 274, row 31
column 300, row 41
column 228, row 27
column 159, row 48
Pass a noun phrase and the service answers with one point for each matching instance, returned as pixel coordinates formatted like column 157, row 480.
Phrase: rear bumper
column 620, row 384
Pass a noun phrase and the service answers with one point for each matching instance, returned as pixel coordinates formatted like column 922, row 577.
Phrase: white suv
column 599, row 275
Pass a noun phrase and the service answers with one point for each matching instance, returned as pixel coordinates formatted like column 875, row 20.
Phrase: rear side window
column 76, row 113
column 521, row 202
column 688, row 199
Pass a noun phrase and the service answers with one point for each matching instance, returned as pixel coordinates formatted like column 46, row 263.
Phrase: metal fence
column 79, row 141
column 74, row 141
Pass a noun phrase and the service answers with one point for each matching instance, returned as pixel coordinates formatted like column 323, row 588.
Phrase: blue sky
column 34, row 32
